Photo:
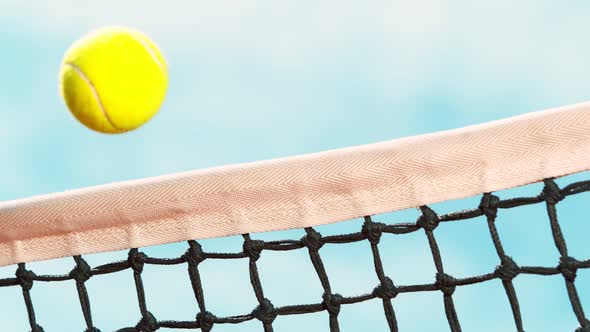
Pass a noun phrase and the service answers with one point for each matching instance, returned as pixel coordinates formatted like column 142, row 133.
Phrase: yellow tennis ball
column 113, row 80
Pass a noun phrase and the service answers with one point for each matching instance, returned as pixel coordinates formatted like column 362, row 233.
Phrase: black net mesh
column 371, row 232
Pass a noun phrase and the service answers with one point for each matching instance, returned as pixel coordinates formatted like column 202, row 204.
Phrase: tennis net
column 305, row 192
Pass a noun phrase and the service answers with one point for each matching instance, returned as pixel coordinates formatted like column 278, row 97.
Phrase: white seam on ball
column 94, row 92
column 151, row 51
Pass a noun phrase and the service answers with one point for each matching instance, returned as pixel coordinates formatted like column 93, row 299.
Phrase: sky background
column 252, row 80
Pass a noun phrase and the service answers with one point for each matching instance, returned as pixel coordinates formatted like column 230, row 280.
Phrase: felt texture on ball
column 114, row 79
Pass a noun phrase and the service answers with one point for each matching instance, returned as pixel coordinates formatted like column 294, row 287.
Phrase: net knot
column 386, row 290
column 585, row 326
column 312, row 240
column 428, row 220
column 37, row 328
column 194, row 254
column 373, row 230
column 332, row 303
column 508, row 270
column 265, row 312
column 253, row 248
column 552, row 192
column 446, row 283
column 568, row 266
column 148, row 323
column 25, row 277
column 489, row 205
column 206, row 320
column 136, row 260
column 81, row 273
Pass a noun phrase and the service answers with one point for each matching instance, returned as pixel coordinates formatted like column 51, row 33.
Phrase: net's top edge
column 401, row 142
column 299, row 191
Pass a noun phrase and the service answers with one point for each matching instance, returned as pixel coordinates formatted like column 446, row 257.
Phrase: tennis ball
column 113, row 80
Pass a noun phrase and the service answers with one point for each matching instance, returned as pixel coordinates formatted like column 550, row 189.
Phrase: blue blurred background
column 253, row 80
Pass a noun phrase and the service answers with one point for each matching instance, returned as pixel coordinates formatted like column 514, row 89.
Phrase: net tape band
column 298, row 192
